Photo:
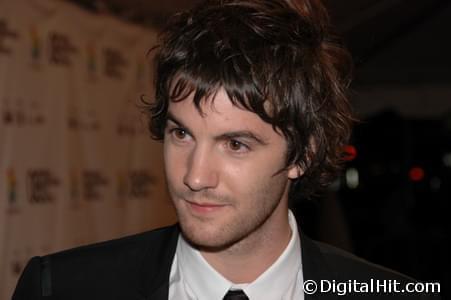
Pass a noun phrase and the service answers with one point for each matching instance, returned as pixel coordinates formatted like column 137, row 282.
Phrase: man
column 251, row 106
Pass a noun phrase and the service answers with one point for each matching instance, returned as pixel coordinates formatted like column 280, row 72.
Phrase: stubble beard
column 235, row 230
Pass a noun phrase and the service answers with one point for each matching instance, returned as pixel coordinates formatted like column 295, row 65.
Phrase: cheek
column 174, row 163
column 250, row 177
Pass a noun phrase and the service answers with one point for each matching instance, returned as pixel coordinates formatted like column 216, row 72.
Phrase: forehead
column 218, row 113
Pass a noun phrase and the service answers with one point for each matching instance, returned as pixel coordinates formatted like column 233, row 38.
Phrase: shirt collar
column 202, row 279
column 282, row 272
column 207, row 283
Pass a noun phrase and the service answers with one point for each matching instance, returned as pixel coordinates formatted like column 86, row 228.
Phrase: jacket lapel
column 315, row 267
column 157, row 264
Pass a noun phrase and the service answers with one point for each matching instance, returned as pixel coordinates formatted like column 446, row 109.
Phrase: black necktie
column 235, row 295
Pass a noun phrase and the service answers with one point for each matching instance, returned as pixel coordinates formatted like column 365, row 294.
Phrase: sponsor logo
column 23, row 112
column 94, row 183
column 6, row 34
column 135, row 184
column 141, row 182
column 7, row 113
column 40, row 186
column 61, row 49
column 127, row 125
column 130, row 121
column 36, row 48
column 114, row 63
column 11, row 191
column 85, row 120
column 91, row 62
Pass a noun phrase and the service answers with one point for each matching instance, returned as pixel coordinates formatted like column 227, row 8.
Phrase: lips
column 202, row 207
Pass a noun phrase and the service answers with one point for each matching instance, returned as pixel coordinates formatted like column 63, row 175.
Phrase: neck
column 246, row 260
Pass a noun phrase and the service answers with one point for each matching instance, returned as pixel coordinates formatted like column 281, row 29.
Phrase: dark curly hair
column 275, row 58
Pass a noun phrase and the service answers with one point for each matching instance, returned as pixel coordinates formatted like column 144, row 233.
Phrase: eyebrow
column 172, row 118
column 246, row 134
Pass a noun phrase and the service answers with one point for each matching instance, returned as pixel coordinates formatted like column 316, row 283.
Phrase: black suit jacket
column 138, row 267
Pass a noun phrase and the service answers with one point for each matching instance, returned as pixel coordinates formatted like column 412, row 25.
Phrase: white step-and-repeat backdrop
column 77, row 164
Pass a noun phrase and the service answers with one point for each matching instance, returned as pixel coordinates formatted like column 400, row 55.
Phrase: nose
column 201, row 170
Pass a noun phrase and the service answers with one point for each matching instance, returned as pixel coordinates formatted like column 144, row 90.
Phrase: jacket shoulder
column 111, row 269
column 126, row 254
column 132, row 246
column 350, row 266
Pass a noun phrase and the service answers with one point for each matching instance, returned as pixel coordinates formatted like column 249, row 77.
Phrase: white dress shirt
column 193, row 278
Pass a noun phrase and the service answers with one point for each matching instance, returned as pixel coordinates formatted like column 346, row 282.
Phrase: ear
column 295, row 171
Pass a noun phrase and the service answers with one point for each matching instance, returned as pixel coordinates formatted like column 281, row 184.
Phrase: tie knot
column 235, row 295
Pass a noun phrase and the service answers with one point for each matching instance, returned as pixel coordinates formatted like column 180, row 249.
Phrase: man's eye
column 179, row 133
column 237, row 146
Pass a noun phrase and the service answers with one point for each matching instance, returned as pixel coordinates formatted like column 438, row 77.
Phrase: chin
column 204, row 237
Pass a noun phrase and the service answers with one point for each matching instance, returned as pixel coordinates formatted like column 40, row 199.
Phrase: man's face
column 223, row 171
